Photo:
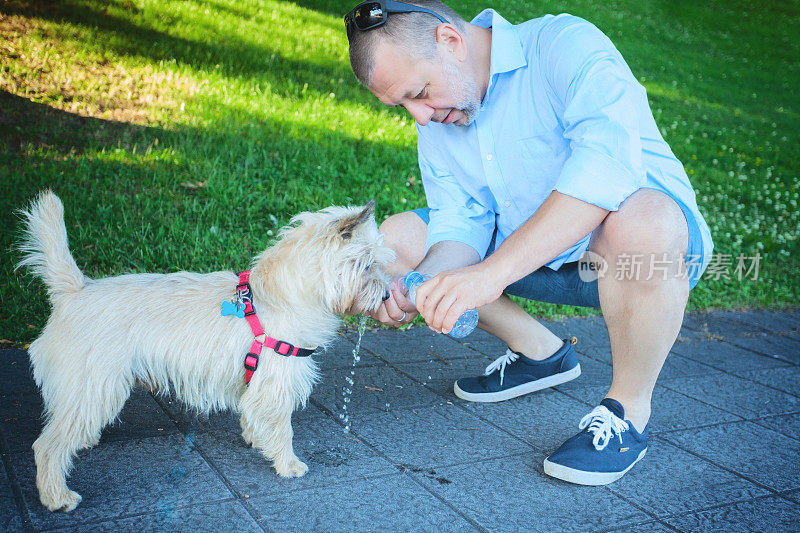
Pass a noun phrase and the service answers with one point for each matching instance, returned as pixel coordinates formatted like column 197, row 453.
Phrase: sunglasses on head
column 368, row 15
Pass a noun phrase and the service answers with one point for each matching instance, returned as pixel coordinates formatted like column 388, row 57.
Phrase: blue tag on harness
column 235, row 309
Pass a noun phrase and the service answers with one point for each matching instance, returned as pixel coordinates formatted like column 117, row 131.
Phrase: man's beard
column 465, row 91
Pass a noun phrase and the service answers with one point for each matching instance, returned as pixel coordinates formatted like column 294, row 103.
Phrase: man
column 537, row 148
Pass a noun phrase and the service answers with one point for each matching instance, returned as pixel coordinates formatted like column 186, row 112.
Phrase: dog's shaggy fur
column 165, row 331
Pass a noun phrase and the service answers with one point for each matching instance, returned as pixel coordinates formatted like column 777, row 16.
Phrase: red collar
column 244, row 294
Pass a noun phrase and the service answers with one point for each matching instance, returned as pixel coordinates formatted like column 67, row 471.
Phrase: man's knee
column 406, row 233
column 647, row 222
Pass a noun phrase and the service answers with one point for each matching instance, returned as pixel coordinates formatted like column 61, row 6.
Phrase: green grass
column 180, row 135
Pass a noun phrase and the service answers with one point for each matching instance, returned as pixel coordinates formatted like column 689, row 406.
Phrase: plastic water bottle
column 464, row 325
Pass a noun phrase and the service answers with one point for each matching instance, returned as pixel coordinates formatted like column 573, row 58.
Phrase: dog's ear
column 349, row 223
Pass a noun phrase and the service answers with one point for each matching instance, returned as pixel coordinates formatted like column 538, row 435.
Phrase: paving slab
column 785, row 378
column 767, row 321
column 513, row 494
column 673, row 411
column 647, row 527
column 439, row 375
column 10, row 517
column 718, row 325
column 433, row 437
column 375, row 388
column 332, row 456
column 589, row 395
column 670, row 480
column 21, row 419
column 209, row 517
column 774, row 463
column 768, row 514
column 388, row 503
column 340, row 355
column 16, row 374
column 543, row 419
column 784, row 348
column 123, row 478
column 411, row 345
column 788, row 425
column 675, row 366
column 190, row 421
column 740, row 396
column 726, row 356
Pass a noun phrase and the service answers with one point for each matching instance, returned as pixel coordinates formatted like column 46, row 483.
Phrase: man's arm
column 447, row 255
column 444, row 255
column 559, row 223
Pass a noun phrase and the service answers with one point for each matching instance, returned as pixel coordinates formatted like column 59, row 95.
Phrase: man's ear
column 348, row 224
column 448, row 37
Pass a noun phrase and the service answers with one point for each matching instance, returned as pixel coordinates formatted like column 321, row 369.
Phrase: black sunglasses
column 368, row 15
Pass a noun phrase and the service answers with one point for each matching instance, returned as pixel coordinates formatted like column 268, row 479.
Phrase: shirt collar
column 507, row 52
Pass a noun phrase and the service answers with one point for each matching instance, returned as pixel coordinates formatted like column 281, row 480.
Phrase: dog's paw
column 65, row 501
column 294, row 468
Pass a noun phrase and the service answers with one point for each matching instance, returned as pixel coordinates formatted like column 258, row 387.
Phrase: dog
column 167, row 333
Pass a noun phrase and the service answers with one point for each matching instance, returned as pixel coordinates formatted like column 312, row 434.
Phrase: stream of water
column 347, row 389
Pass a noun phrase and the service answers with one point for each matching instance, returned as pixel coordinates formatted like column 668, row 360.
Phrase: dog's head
column 334, row 258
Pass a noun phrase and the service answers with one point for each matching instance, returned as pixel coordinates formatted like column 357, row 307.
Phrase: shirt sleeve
column 455, row 215
column 602, row 104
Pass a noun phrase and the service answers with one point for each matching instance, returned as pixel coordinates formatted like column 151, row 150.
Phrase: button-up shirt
column 562, row 112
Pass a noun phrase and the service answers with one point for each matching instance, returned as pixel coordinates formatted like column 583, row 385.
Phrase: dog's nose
column 386, row 296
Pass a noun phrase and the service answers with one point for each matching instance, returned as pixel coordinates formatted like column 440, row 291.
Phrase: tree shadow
column 232, row 57
column 24, row 123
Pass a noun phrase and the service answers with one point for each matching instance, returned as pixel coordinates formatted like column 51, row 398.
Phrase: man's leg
column 643, row 315
column 406, row 234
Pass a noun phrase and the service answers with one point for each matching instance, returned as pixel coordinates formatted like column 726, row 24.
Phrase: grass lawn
column 181, row 135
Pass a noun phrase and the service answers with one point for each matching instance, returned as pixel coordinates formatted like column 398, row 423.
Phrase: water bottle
column 465, row 323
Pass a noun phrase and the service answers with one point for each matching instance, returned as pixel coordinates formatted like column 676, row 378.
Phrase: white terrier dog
column 166, row 332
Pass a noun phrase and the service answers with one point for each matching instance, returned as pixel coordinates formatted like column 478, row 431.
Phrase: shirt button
column 508, row 204
column 488, row 157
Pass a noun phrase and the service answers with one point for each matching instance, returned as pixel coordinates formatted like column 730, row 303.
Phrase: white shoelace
column 501, row 362
column 605, row 425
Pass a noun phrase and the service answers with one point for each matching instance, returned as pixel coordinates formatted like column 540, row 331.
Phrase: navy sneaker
column 513, row 375
column 603, row 452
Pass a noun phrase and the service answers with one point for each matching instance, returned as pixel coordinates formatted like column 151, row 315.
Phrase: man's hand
column 443, row 299
column 397, row 309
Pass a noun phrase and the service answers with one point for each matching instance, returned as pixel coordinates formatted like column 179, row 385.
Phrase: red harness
column 245, row 295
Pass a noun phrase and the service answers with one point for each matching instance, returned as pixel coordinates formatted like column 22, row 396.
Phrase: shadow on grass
column 231, row 56
column 23, row 123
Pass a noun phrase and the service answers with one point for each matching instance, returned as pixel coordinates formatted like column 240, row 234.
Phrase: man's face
column 438, row 90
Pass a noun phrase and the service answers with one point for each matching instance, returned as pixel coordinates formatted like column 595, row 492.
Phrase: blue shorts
column 565, row 286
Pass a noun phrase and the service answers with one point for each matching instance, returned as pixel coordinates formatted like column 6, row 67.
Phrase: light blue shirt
column 562, row 112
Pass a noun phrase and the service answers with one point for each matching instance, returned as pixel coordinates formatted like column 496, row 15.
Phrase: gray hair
column 414, row 33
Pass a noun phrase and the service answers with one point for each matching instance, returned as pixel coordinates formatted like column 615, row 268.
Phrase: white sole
column 519, row 390
column 580, row 477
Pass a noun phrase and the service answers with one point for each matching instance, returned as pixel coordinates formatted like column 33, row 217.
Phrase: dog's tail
column 44, row 246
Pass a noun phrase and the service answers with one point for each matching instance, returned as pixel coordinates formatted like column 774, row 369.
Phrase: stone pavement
column 723, row 455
